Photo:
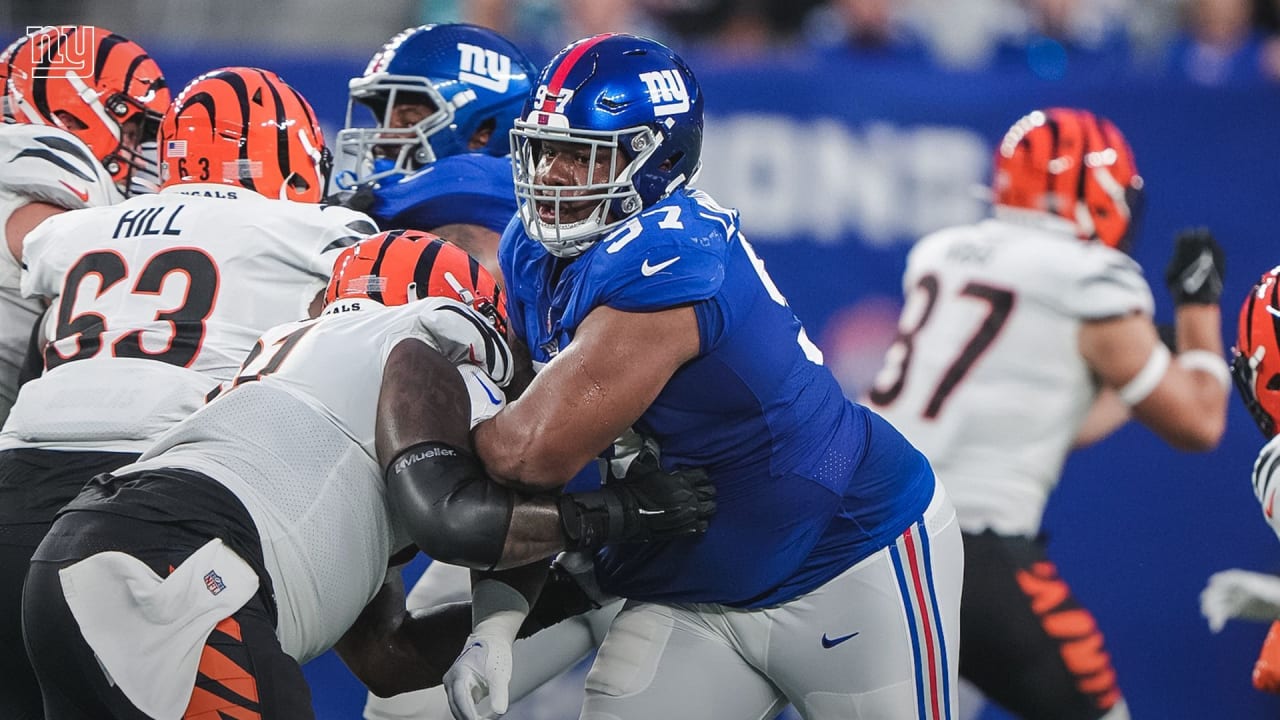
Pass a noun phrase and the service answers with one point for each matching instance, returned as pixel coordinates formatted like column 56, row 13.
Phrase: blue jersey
column 807, row 482
column 472, row 189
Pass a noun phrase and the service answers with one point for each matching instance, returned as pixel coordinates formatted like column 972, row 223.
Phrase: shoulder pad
column 354, row 220
column 51, row 165
column 464, row 336
column 671, row 254
column 1106, row 283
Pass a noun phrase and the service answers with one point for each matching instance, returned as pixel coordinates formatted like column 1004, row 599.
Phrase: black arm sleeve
column 451, row 508
column 33, row 362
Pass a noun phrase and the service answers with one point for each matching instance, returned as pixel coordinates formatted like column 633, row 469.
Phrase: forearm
column 526, row 579
column 535, row 532
column 1199, row 327
column 393, row 651
column 1199, row 333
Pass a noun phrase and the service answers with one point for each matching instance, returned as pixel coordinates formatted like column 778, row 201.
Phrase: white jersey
column 1266, row 482
column 986, row 378
column 45, row 164
column 294, row 440
column 157, row 300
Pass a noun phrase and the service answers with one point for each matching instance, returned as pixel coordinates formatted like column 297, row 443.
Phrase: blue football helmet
column 631, row 110
column 466, row 76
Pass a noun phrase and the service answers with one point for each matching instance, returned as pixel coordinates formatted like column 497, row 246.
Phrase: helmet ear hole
column 1273, row 383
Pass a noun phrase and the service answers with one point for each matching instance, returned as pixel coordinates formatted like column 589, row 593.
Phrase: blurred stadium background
column 844, row 130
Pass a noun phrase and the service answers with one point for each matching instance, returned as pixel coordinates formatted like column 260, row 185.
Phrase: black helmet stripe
column 282, row 128
column 376, row 269
column 101, row 54
column 422, row 271
column 133, row 68
column 1246, row 339
column 1274, row 300
column 40, row 81
column 204, row 100
column 242, row 98
column 1089, row 130
column 303, row 104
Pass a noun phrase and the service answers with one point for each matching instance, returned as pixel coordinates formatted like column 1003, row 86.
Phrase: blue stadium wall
column 839, row 167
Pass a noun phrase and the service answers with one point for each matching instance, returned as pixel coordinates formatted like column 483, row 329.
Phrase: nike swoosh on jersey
column 832, row 642
column 488, row 392
column 649, row 270
column 82, row 194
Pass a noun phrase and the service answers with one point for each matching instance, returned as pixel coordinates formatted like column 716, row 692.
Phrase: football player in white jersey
column 1010, row 330
column 79, row 102
column 261, row 530
column 157, row 299
column 68, row 142
column 1237, row 593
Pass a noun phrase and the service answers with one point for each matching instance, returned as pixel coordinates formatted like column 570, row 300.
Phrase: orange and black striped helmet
column 1070, row 163
column 6, row 58
column 397, row 266
column 99, row 86
column 1255, row 362
column 245, row 127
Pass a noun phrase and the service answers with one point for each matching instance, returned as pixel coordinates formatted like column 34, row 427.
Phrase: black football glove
column 570, row 590
column 1194, row 274
column 361, row 199
column 648, row 504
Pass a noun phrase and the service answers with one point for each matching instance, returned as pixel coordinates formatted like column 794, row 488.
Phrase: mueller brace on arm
column 453, row 511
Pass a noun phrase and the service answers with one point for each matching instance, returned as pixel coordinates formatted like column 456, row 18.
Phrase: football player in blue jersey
column 830, row 577
column 431, row 151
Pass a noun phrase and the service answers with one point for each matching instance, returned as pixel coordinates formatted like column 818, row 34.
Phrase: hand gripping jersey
column 808, row 483
column 471, row 189
column 38, row 163
column 294, row 440
column 986, row 376
column 158, row 299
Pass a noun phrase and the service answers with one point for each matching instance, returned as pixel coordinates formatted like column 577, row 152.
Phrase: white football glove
column 464, row 335
column 1240, row 594
column 481, row 673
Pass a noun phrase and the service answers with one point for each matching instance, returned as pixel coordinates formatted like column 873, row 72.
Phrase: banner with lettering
column 838, row 167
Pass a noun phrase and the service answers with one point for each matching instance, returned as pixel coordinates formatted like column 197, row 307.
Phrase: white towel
column 148, row 632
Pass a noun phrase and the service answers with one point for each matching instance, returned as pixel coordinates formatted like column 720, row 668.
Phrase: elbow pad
column 452, row 510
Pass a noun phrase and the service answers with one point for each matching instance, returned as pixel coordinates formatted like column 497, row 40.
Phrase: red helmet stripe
column 556, row 83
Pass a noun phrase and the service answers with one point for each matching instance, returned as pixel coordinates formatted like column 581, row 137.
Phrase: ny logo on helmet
column 484, row 68
column 666, row 91
column 62, row 51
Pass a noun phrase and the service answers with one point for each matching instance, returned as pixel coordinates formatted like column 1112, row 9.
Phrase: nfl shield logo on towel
column 214, row 583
